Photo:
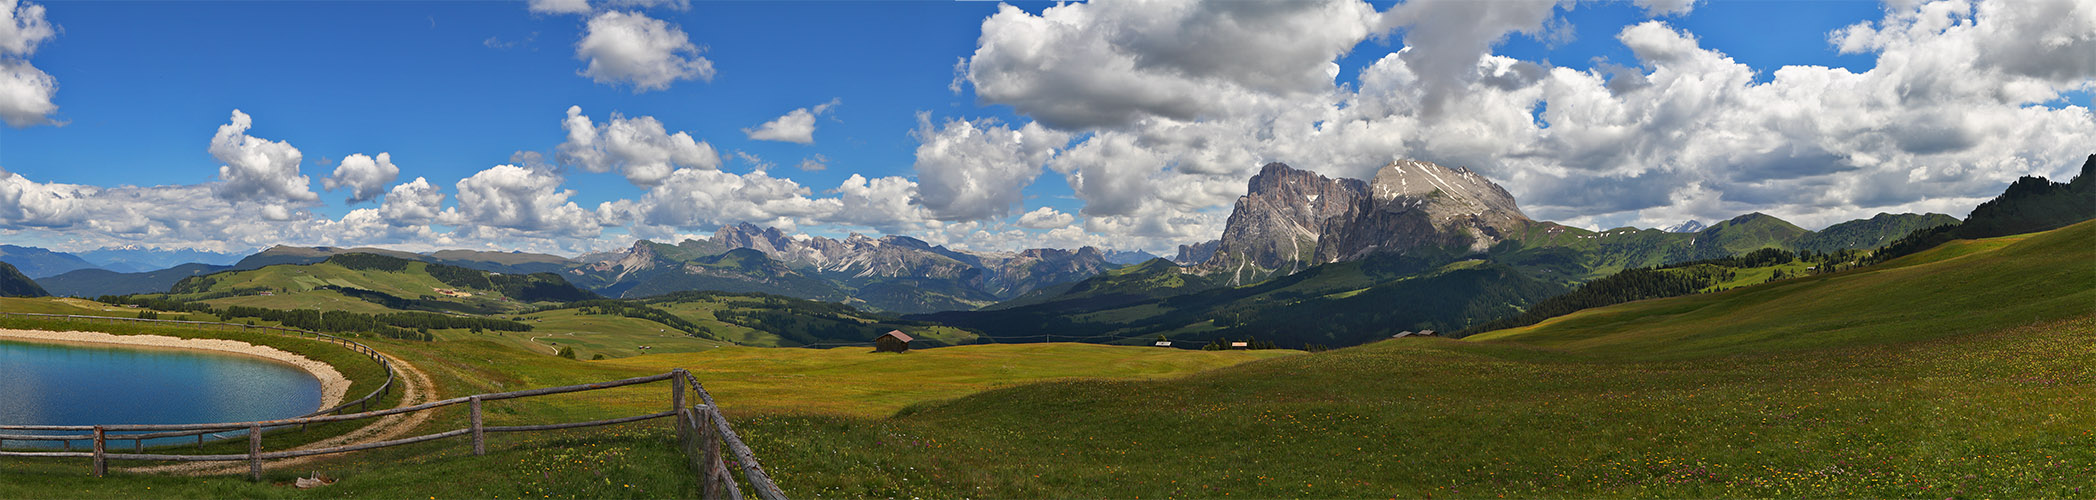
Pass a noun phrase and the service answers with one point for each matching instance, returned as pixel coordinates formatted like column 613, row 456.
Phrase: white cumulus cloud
column 1110, row 63
column 969, row 170
column 259, row 170
column 630, row 48
column 1045, row 218
column 559, row 6
column 415, row 202
column 364, row 176
column 25, row 92
column 516, row 198
column 639, row 148
column 797, row 126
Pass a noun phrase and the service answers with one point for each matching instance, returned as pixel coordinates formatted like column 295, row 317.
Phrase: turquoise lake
column 52, row 384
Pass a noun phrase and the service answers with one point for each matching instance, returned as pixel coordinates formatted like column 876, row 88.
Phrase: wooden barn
column 893, row 341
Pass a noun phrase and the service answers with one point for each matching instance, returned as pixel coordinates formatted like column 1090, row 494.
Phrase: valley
column 1724, row 362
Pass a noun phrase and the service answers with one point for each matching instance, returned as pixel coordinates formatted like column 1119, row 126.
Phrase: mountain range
column 890, row 273
column 1413, row 224
column 1306, row 259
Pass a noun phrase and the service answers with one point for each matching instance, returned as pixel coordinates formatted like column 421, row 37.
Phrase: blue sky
column 452, row 89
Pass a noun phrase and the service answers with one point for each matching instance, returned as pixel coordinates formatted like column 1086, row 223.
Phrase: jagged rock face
column 1275, row 226
column 637, row 259
column 1196, row 253
column 1419, row 204
column 859, row 256
column 856, row 255
column 1010, row 275
column 1687, row 227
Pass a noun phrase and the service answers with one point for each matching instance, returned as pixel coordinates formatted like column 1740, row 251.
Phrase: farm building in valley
column 893, row 341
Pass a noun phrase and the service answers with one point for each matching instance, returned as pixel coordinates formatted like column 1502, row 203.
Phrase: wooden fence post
column 709, row 446
column 254, row 453
column 101, row 461
column 480, row 441
column 677, row 401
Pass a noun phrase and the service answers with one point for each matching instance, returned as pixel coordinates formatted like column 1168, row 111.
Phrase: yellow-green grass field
column 593, row 334
column 853, row 381
column 298, row 287
column 628, row 461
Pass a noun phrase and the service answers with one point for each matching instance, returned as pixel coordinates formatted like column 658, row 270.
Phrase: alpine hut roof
column 899, row 335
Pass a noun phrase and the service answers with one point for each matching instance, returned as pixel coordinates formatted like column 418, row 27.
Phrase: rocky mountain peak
column 1291, row 219
column 1275, row 225
column 1408, row 184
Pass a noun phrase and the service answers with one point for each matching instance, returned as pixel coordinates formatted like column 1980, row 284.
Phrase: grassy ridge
column 851, row 381
column 1962, row 371
column 1960, row 289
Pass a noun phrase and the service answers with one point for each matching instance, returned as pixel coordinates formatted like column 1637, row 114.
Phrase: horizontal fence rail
column 138, row 440
column 701, row 432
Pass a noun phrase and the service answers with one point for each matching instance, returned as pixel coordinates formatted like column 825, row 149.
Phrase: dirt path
column 415, row 388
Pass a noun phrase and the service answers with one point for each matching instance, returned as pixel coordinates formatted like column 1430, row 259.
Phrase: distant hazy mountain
column 92, row 283
column 134, row 259
column 14, row 284
column 892, row 273
column 1196, row 253
column 500, row 262
column 37, row 262
column 1686, row 227
column 1128, row 257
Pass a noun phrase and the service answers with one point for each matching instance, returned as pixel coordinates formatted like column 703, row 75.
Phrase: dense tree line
column 803, row 328
column 400, row 325
column 637, row 311
column 1759, row 258
column 155, row 302
column 391, row 301
column 535, row 287
column 1628, row 285
column 369, row 262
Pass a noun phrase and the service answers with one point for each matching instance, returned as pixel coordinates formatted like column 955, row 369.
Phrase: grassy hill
column 14, row 284
column 99, row 282
column 1961, row 288
column 371, row 283
column 1963, row 371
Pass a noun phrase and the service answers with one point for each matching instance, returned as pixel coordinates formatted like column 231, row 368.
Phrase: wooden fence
column 700, row 433
column 701, row 430
column 138, row 440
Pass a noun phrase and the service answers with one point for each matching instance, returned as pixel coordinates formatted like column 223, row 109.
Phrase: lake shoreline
column 334, row 387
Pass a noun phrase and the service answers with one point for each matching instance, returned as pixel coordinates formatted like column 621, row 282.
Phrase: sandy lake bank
column 333, row 386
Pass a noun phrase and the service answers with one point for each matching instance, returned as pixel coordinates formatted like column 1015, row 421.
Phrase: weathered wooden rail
column 701, row 432
column 138, row 440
